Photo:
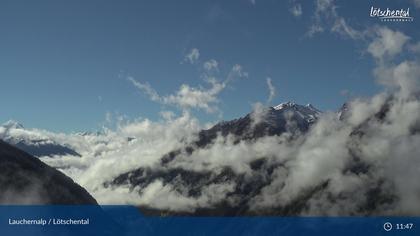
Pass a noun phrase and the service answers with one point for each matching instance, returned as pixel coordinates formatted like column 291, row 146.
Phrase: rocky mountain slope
column 26, row 180
column 287, row 117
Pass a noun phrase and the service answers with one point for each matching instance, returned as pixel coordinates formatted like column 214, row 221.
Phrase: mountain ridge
column 15, row 134
column 27, row 180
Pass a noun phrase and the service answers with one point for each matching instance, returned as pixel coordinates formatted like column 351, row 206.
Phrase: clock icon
column 387, row 226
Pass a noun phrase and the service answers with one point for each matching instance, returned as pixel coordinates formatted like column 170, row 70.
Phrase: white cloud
column 147, row 89
column 237, row 71
column 211, row 65
column 296, row 10
column 402, row 76
column 323, row 8
column 340, row 26
column 271, row 90
column 258, row 114
column 314, row 29
column 386, row 43
column 327, row 17
column 405, row 76
column 187, row 97
column 193, row 56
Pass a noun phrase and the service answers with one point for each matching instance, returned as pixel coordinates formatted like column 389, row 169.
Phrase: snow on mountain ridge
column 12, row 124
column 284, row 105
column 38, row 143
column 308, row 112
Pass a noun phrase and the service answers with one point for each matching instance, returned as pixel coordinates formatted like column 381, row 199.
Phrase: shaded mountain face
column 287, row 117
column 26, row 180
column 16, row 135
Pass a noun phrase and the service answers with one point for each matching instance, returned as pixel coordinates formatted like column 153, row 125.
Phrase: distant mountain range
column 15, row 134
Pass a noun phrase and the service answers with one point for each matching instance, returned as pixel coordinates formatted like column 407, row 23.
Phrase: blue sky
column 64, row 64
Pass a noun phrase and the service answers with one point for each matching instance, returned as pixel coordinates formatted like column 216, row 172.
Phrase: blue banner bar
column 128, row 220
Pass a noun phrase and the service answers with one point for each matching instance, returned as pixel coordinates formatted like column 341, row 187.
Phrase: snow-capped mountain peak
column 35, row 142
column 284, row 105
column 12, row 124
column 307, row 112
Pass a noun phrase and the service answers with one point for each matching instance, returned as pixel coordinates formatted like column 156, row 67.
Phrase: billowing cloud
column 403, row 77
column 387, row 43
column 397, row 75
column 187, row 97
